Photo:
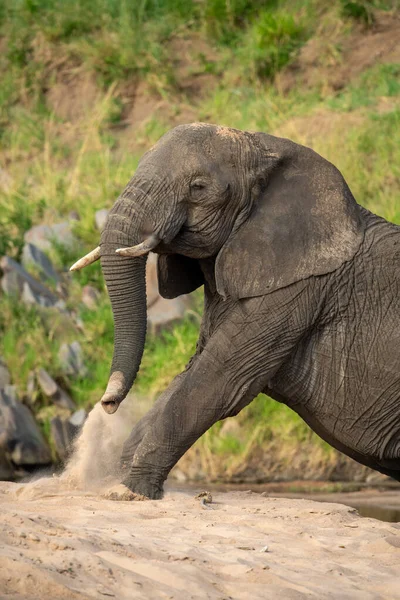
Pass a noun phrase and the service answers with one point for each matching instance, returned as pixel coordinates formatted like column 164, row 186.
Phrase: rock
column 29, row 296
column 21, row 440
column 78, row 418
column 31, row 255
column 64, row 431
column 71, row 359
column 63, row 400
column 161, row 312
column 44, row 236
column 165, row 312
column 5, row 377
column 53, row 391
column 48, row 385
column 14, row 282
column 6, row 469
column 31, row 388
column 11, row 284
column 100, row 218
column 90, row 296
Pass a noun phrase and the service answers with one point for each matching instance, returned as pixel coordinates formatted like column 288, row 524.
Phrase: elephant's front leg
column 207, row 394
column 144, row 424
column 238, row 360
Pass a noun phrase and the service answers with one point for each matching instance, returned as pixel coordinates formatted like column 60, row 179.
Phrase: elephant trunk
column 126, row 283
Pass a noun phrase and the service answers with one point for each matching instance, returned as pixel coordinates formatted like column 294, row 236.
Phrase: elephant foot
column 144, row 486
column 121, row 493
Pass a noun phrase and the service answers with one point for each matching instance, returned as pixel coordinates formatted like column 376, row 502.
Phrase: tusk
column 86, row 260
column 143, row 248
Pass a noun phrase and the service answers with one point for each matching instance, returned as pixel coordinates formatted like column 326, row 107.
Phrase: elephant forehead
column 193, row 146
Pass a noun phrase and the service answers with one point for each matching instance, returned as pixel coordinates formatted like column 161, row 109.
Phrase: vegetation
column 72, row 71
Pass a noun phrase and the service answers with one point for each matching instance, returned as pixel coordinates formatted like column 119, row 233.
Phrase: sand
column 60, row 538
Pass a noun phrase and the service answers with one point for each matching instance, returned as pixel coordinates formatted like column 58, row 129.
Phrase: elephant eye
column 197, row 184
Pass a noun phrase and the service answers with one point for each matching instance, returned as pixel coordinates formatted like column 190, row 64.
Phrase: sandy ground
column 59, row 538
column 56, row 543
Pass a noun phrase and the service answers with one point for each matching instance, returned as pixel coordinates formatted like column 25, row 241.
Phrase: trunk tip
column 110, row 406
column 114, row 393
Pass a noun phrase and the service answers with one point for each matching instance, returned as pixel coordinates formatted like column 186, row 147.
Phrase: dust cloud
column 94, row 462
column 93, row 466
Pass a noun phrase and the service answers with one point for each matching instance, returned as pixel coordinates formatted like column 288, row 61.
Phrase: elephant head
column 270, row 211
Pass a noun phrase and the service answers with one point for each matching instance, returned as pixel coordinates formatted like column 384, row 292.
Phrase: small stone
column 71, row 359
column 31, row 388
column 52, row 390
column 78, row 418
column 48, row 385
column 90, row 296
column 5, row 377
column 31, row 255
column 100, row 218
column 11, row 284
column 264, row 549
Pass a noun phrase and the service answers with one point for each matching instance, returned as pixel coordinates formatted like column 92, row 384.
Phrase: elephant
column 301, row 296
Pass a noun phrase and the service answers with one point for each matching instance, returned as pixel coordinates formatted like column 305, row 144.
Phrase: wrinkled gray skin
column 301, row 293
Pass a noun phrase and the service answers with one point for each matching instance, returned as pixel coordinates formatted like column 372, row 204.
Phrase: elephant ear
column 304, row 221
column 178, row 275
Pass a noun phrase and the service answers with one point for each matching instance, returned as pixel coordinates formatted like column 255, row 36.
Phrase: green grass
column 375, row 84
column 56, row 164
column 270, row 43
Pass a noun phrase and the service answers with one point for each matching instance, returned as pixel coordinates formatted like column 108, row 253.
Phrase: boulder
column 53, row 391
column 33, row 256
column 160, row 311
column 71, row 359
column 18, row 281
column 21, row 441
column 64, row 431
column 166, row 312
column 30, row 297
column 100, row 218
column 44, row 236
column 5, row 377
column 6, row 468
